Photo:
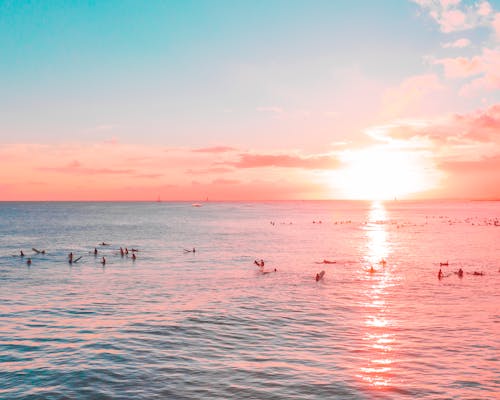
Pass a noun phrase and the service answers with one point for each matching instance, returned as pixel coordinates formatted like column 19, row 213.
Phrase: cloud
column 75, row 167
column 484, row 8
column 457, row 44
column 215, row 149
column 453, row 15
column 482, row 126
column 225, row 181
column 460, row 67
column 410, row 94
column 471, row 166
column 285, row 161
column 483, row 71
column 496, row 25
column 210, row 170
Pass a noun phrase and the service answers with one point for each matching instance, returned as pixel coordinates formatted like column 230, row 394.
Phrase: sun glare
column 382, row 174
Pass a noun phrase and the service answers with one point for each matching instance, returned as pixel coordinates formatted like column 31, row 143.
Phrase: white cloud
column 458, row 44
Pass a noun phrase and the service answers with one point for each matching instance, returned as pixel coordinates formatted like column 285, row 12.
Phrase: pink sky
column 430, row 129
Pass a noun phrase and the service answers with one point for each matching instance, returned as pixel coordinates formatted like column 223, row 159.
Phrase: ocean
column 211, row 324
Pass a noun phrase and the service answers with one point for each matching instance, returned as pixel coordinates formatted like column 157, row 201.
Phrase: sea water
column 212, row 324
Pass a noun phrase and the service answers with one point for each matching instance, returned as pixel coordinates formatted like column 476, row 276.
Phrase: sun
column 380, row 173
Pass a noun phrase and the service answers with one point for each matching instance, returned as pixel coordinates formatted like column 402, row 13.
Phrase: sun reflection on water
column 378, row 339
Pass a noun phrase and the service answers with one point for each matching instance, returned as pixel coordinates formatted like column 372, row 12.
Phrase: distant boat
column 197, row 205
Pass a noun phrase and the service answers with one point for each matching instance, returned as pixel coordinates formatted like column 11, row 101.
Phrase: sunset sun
column 380, row 174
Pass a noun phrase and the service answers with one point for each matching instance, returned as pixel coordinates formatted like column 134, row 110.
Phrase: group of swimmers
column 459, row 273
column 72, row 260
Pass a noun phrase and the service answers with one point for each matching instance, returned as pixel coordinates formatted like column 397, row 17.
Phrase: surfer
column 320, row 276
column 445, row 264
column 38, row 251
column 325, row 262
column 190, row 251
column 104, row 244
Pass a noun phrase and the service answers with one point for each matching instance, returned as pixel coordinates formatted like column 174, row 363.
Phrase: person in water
column 372, row 270
column 21, row 254
column 103, row 261
column 70, row 257
column 460, row 273
column 320, row 276
column 440, row 274
column 133, row 257
column 28, row 261
column 95, row 251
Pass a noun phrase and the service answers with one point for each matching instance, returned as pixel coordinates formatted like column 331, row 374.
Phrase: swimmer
column 95, row 251
column 70, row 257
column 478, row 273
column 132, row 250
column 103, row 261
column 28, row 261
column 104, row 244
column 440, row 274
column 133, row 257
column 122, row 253
column 21, row 254
column 460, row 273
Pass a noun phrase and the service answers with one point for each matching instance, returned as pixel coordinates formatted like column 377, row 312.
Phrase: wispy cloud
column 457, row 44
column 215, row 149
column 248, row 160
column 75, row 167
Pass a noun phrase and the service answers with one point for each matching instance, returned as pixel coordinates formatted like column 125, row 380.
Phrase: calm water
column 209, row 325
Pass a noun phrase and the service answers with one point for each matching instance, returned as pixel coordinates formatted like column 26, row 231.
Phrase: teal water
column 210, row 325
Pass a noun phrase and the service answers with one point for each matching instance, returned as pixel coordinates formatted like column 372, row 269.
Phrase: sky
column 249, row 100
